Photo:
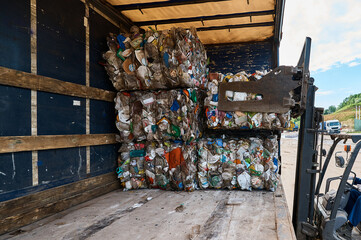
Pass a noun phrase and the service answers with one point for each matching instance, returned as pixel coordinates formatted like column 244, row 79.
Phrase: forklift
column 318, row 215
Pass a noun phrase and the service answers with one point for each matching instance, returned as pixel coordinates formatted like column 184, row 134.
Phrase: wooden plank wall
column 44, row 70
column 25, row 210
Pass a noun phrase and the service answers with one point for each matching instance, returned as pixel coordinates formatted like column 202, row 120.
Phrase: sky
column 335, row 29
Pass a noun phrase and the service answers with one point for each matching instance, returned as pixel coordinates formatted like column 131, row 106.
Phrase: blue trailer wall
column 61, row 54
column 235, row 58
column 102, row 114
column 15, row 104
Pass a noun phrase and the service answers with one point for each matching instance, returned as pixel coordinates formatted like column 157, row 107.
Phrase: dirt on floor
column 289, row 142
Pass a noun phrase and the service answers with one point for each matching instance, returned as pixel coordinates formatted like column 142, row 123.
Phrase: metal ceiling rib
column 250, row 25
column 161, row 4
column 206, row 18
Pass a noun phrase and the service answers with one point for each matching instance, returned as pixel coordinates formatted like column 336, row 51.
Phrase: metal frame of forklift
column 328, row 225
column 308, row 165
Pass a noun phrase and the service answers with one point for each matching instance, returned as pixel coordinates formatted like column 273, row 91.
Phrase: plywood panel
column 199, row 10
column 14, row 111
column 61, row 40
column 99, row 29
column 102, row 117
column 15, row 35
column 15, row 171
column 58, row 164
column 240, row 57
column 58, row 114
column 103, row 158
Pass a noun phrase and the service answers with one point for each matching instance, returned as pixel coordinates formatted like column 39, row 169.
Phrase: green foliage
column 332, row 109
column 351, row 100
column 326, row 111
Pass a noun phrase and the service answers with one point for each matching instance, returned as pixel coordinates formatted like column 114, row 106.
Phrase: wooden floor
column 156, row 214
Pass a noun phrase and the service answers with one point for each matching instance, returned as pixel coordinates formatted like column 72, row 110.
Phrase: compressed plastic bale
column 215, row 159
column 229, row 175
column 137, row 129
column 122, row 102
column 256, row 166
column 162, row 116
column 137, row 155
column 271, row 163
column 130, row 169
column 149, row 166
column 161, row 168
column 202, row 166
column 167, row 53
column 191, row 56
column 285, row 119
column 123, row 168
column 175, row 158
column 189, row 168
column 156, row 60
column 229, row 164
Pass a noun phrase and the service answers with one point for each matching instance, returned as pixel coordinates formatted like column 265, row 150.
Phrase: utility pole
column 356, row 113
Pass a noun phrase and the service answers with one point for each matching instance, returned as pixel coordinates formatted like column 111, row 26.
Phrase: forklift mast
column 307, row 165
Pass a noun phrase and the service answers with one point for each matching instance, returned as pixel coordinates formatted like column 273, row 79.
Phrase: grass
column 348, row 107
column 343, row 115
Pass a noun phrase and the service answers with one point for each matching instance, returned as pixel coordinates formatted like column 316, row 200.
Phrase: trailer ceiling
column 217, row 22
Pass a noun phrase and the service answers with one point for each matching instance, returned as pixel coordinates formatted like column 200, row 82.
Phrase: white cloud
column 334, row 27
column 353, row 64
column 324, row 93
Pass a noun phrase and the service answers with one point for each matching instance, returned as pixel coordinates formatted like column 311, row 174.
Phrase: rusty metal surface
column 275, row 88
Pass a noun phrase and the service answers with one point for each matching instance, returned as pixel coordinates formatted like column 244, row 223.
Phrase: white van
column 333, row 126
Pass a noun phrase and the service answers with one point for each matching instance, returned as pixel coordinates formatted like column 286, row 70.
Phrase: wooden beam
column 45, row 142
column 15, row 78
column 31, row 208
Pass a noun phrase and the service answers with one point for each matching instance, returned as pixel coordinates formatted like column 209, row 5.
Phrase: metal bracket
column 309, row 229
column 275, row 89
column 312, row 171
column 282, row 89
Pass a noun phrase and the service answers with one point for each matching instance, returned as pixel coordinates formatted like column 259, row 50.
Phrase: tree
column 326, row 112
column 332, row 109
